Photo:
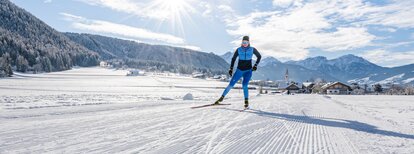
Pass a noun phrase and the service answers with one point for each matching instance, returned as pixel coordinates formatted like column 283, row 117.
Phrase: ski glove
column 231, row 72
column 254, row 67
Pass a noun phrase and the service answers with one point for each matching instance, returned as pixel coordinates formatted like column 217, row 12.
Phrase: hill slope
column 29, row 44
column 348, row 68
column 159, row 57
column 127, row 115
column 351, row 68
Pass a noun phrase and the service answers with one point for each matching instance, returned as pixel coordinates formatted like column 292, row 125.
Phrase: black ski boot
column 219, row 100
column 246, row 103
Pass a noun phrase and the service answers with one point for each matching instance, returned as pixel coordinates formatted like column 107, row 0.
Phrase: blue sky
column 380, row 31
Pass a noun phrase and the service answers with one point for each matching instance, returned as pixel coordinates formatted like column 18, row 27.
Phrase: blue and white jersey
column 245, row 53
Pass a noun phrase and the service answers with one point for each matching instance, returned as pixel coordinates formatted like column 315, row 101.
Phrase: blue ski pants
column 247, row 75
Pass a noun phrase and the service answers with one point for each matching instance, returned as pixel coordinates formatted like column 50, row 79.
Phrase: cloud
column 388, row 46
column 399, row 14
column 388, row 58
column 290, row 35
column 47, row 1
column 387, row 29
column 285, row 3
column 330, row 26
column 126, row 6
column 342, row 39
column 396, row 14
column 196, row 48
column 225, row 8
column 71, row 17
column 123, row 31
column 207, row 9
column 289, row 29
column 156, row 9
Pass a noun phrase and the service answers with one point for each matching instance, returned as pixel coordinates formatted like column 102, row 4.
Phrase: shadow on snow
column 331, row 122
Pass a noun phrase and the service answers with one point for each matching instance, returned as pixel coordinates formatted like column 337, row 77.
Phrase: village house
column 336, row 88
column 135, row 72
column 307, row 87
column 291, row 88
column 103, row 64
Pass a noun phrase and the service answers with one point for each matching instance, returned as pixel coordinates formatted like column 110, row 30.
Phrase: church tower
column 287, row 76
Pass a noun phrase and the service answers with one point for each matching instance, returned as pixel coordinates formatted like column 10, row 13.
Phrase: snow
column 365, row 80
column 393, row 79
column 408, row 80
column 307, row 84
column 94, row 110
column 188, row 96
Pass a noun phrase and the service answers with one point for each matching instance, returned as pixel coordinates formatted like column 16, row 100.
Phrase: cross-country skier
column 244, row 69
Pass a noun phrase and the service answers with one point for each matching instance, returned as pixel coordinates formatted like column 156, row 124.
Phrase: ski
column 244, row 109
column 196, row 107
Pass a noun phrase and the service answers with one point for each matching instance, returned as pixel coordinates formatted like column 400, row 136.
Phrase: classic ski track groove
column 209, row 130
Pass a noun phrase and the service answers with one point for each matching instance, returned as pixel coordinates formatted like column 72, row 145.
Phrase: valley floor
column 94, row 110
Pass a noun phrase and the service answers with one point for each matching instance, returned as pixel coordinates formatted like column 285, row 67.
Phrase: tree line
column 28, row 44
column 21, row 55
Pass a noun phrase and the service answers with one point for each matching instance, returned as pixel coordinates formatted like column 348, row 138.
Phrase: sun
column 174, row 5
column 174, row 13
column 170, row 9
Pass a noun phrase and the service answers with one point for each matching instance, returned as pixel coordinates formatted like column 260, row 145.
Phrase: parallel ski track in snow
column 270, row 136
column 346, row 139
column 277, row 127
column 123, row 117
column 285, row 137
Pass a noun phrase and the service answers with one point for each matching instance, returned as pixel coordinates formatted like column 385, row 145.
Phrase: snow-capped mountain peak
column 393, row 79
column 269, row 60
column 348, row 59
column 227, row 56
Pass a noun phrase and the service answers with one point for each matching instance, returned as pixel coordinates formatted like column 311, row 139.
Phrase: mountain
column 28, row 44
column 146, row 56
column 276, row 71
column 396, row 75
column 265, row 61
column 311, row 63
column 227, row 56
column 343, row 68
column 269, row 61
column 271, row 68
column 348, row 69
column 353, row 69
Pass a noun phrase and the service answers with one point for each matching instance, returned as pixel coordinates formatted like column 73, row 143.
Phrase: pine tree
column 378, row 88
column 5, row 65
column 2, row 70
column 22, row 64
column 46, row 64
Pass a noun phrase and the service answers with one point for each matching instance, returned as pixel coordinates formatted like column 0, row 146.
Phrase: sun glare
column 174, row 5
column 173, row 12
column 168, row 9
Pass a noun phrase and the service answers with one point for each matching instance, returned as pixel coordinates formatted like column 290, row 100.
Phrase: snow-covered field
column 95, row 110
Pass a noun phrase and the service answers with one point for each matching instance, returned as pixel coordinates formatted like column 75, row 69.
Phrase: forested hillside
column 152, row 57
column 28, row 44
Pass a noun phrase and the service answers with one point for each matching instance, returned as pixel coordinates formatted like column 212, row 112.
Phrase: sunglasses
column 245, row 42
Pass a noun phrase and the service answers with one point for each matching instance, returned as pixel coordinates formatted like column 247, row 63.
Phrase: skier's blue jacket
column 245, row 55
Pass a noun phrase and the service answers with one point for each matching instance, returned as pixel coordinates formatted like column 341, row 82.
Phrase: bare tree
column 317, row 88
column 409, row 90
column 22, row 64
column 395, row 90
column 358, row 91
column 5, row 65
column 378, row 88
